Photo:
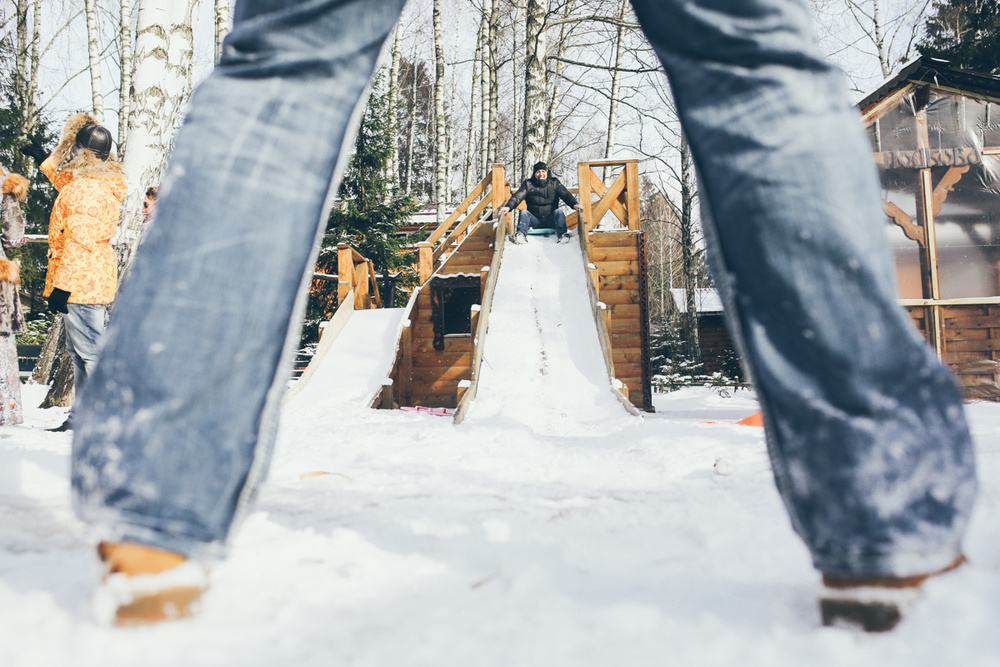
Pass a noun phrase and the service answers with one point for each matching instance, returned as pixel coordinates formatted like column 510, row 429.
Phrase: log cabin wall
column 620, row 262
column 715, row 342
column 971, row 345
column 422, row 374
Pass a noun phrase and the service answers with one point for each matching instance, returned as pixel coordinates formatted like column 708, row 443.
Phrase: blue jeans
column 84, row 324
column 556, row 220
column 865, row 428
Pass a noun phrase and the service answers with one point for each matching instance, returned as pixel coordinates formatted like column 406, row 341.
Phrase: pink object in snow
column 437, row 412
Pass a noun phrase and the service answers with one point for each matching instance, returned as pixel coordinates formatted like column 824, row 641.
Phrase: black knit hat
column 539, row 165
column 96, row 138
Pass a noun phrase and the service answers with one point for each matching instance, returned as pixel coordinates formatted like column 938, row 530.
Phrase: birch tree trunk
column 471, row 164
column 450, row 120
column 21, row 55
column 516, row 147
column 440, row 150
column 393, row 164
column 412, row 130
column 535, row 88
column 125, row 87
column 609, row 146
column 163, row 49
column 494, row 79
column 94, row 50
column 689, row 323
column 556, row 79
column 221, row 25
column 484, row 87
column 31, row 99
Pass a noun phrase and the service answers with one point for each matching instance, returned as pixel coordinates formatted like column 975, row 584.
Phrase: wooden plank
column 612, row 239
column 629, row 311
column 628, row 282
column 966, row 334
column 985, row 345
column 451, row 344
column 625, row 340
column 630, row 355
column 628, row 369
column 614, row 297
column 479, row 257
column 625, row 326
column 972, row 322
column 446, row 387
column 442, row 359
column 625, row 253
column 617, row 268
column 422, row 376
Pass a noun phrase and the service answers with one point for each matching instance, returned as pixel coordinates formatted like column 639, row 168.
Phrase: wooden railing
column 621, row 198
column 492, row 192
column 356, row 273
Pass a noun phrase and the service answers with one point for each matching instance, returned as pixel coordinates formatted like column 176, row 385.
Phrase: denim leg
column 865, row 427
column 176, row 429
column 525, row 221
column 558, row 220
column 84, row 327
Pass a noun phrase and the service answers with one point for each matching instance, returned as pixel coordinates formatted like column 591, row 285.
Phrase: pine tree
column 368, row 215
column 966, row 33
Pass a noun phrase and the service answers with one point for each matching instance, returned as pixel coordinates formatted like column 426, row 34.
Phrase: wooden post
column 406, row 366
column 632, row 194
column 583, row 175
column 484, row 276
column 497, row 190
column 386, row 401
column 425, row 261
column 345, row 271
column 474, row 320
column 925, row 215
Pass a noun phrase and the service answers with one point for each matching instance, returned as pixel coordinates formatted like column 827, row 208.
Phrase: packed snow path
column 542, row 361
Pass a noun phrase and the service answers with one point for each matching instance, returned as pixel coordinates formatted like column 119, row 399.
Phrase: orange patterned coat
column 84, row 218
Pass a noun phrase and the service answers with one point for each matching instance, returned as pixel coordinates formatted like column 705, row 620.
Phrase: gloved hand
column 58, row 301
column 35, row 151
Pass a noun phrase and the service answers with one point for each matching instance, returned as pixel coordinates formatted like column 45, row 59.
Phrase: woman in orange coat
column 82, row 276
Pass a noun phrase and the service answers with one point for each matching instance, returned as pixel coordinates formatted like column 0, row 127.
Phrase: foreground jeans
column 84, row 324
column 865, row 428
column 527, row 220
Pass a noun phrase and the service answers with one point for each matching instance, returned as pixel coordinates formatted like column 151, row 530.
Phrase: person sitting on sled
column 541, row 194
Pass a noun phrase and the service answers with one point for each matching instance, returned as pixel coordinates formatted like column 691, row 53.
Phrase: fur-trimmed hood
column 84, row 163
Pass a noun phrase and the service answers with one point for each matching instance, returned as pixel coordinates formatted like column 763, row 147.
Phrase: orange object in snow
column 756, row 419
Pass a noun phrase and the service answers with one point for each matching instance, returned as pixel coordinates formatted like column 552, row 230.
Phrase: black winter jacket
column 541, row 197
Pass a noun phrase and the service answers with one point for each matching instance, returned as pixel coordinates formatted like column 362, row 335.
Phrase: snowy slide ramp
column 355, row 364
column 542, row 360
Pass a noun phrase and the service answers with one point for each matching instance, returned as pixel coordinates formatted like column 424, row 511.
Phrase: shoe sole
column 868, row 616
column 168, row 604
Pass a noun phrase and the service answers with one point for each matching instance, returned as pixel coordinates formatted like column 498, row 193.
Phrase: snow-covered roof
column 706, row 299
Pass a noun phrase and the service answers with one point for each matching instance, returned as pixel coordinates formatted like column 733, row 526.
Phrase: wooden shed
column 713, row 335
column 935, row 131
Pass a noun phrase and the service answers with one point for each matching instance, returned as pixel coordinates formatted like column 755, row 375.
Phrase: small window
column 452, row 298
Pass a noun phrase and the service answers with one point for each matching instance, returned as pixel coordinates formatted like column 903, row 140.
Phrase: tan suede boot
column 873, row 604
column 147, row 585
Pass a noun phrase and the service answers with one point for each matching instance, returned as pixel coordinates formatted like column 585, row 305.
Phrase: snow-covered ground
column 388, row 539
